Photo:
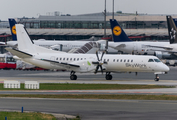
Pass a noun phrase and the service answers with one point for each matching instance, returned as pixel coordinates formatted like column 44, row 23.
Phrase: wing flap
column 62, row 64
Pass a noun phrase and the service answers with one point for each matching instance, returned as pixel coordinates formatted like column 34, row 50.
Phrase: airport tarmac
column 59, row 76
column 90, row 109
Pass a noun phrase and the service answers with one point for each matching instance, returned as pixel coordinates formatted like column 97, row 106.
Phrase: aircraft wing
column 62, row 64
column 117, row 46
column 167, row 48
column 169, row 51
column 18, row 53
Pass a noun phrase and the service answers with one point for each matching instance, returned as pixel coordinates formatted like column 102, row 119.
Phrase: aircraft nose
column 166, row 68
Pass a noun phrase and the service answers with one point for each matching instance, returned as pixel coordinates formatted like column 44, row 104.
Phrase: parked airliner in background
column 50, row 59
column 66, row 46
column 163, row 50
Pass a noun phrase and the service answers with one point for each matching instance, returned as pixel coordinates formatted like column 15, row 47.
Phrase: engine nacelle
column 57, row 47
column 163, row 55
column 158, row 54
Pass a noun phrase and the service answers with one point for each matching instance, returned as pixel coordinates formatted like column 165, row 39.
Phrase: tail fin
column 25, row 44
column 118, row 33
column 172, row 31
column 175, row 21
column 12, row 23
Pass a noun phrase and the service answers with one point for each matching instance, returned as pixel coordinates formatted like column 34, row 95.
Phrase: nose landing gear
column 156, row 77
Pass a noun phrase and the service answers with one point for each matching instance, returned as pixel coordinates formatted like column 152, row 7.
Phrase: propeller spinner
column 99, row 63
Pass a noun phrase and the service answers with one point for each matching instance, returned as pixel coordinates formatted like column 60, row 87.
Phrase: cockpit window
column 157, row 60
column 150, row 60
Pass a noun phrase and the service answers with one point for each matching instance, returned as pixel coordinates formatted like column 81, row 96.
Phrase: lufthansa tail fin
column 172, row 30
column 118, row 33
column 12, row 23
column 175, row 21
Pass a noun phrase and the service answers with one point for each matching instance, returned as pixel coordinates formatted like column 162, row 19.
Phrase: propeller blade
column 96, row 70
column 101, row 69
column 102, row 55
column 95, row 63
column 97, row 55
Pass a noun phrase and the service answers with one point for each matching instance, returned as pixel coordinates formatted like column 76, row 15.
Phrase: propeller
column 99, row 63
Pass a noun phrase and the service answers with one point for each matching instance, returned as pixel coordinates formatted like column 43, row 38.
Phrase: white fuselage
column 141, row 47
column 66, row 45
column 115, row 63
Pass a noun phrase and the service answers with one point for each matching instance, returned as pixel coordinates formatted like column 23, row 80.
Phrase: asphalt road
column 48, row 75
column 97, row 109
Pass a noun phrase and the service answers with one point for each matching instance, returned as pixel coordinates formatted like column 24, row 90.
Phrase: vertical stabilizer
column 12, row 23
column 24, row 42
column 117, row 32
column 172, row 31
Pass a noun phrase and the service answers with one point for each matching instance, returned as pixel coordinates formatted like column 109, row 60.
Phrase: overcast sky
column 34, row 8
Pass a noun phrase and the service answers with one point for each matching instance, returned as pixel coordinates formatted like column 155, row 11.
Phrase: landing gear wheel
column 156, row 77
column 108, row 76
column 73, row 77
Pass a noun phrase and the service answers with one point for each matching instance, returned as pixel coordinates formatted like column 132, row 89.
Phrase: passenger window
column 56, row 58
column 117, row 60
column 67, row 59
column 131, row 60
column 114, row 60
column 107, row 60
column 81, row 58
column 74, row 59
column 60, row 58
column 150, row 60
column 70, row 59
column 124, row 60
column 121, row 60
column 127, row 60
column 77, row 59
column 63, row 58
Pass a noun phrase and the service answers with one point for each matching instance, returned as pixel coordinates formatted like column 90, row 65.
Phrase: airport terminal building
column 73, row 27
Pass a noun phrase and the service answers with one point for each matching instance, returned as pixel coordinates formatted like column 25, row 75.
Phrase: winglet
column 12, row 23
column 118, row 33
column 172, row 30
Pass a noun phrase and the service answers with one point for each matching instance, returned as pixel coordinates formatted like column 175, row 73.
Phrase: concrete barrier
column 31, row 85
column 11, row 84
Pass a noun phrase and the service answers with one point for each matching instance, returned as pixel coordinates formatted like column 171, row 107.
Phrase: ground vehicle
column 7, row 62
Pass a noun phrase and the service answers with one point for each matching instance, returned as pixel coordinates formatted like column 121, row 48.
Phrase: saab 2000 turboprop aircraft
column 163, row 50
column 50, row 59
column 66, row 46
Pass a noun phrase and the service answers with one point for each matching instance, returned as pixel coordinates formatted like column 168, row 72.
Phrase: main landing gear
column 108, row 76
column 156, row 77
column 73, row 76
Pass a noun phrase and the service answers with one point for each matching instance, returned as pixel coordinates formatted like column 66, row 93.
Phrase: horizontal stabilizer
column 18, row 53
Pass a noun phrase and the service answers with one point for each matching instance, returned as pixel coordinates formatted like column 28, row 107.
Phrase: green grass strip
column 77, row 96
column 70, row 86
column 25, row 116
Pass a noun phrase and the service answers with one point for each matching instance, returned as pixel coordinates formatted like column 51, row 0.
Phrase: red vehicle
column 7, row 62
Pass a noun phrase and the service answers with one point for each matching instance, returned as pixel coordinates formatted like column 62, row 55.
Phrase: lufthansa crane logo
column 117, row 30
column 14, row 30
